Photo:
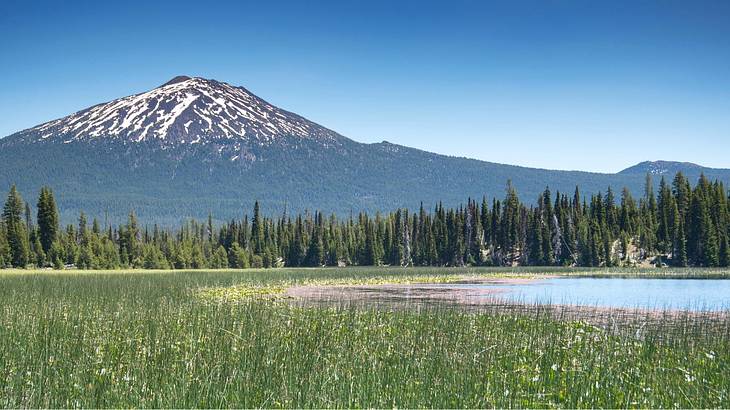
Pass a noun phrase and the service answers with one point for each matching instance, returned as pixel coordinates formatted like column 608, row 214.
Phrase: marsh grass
column 145, row 339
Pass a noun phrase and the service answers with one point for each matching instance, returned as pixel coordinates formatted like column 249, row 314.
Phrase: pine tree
column 679, row 252
column 219, row 259
column 257, row 230
column 83, row 232
column 647, row 216
column 596, row 243
column 612, row 218
column 129, row 242
column 238, row 257
column 665, row 228
column 702, row 239
column 510, row 226
column 431, row 252
column 38, row 253
column 371, row 256
column 535, row 240
column 546, row 217
column 5, row 256
column 17, row 234
column 397, row 252
column 628, row 220
column 724, row 256
column 315, row 251
column 210, row 228
column 584, row 244
column 296, row 249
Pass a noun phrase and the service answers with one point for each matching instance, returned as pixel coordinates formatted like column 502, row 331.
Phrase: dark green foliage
column 257, row 230
column 237, row 257
column 219, row 259
column 16, row 230
column 315, row 252
column 5, row 255
column 680, row 226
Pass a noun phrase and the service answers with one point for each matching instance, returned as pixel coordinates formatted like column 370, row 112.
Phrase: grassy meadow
column 180, row 339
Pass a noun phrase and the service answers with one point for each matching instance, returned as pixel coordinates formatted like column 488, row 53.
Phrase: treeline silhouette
column 680, row 225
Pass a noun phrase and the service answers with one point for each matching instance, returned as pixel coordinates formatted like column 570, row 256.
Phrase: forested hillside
column 680, row 225
column 194, row 147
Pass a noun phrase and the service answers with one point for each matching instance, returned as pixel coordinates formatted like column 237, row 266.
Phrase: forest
column 680, row 225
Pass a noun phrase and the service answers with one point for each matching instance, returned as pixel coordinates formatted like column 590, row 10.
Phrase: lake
column 674, row 294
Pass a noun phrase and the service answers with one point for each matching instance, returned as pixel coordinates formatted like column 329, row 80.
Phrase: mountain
column 194, row 146
column 668, row 169
column 183, row 111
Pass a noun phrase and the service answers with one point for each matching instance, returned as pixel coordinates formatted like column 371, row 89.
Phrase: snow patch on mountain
column 184, row 110
column 661, row 167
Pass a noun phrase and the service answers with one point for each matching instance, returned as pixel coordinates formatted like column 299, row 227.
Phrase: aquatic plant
column 144, row 339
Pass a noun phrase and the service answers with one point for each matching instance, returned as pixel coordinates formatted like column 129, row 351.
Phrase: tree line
column 680, row 225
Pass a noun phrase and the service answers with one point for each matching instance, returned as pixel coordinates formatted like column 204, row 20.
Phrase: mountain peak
column 177, row 79
column 185, row 110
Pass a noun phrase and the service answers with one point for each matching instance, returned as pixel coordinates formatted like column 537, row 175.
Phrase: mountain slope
column 194, row 146
column 183, row 111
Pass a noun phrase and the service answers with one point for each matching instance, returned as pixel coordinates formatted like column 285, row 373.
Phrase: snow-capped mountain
column 194, row 146
column 185, row 110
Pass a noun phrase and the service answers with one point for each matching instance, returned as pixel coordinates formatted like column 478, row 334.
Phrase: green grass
column 148, row 339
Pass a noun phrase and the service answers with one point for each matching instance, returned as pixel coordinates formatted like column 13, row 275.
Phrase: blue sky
column 586, row 85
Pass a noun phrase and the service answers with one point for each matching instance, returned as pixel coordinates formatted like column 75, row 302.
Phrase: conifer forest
column 685, row 223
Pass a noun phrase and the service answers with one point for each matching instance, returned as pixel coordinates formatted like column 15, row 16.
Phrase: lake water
column 676, row 294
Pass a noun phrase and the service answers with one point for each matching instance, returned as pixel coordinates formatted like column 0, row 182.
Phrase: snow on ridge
column 188, row 111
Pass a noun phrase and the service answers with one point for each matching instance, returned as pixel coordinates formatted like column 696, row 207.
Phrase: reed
column 147, row 339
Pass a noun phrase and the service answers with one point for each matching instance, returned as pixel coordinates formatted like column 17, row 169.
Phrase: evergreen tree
column 315, row 251
column 690, row 224
column 16, row 229
column 5, row 256
column 612, row 217
column 535, row 240
column 371, row 255
column 665, row 218
column 129, row 242
column 510, row 226
column 724, row 255
column 628, row 219
column 584, row 244
column 679, row 252
column 38, row 253
column 257, row 230
column 238, row 257
column 297, row 249
column 546, row 219
column 219, row 259
column 151, row 257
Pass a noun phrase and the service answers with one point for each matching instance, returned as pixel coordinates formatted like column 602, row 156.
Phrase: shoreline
column 424, row 296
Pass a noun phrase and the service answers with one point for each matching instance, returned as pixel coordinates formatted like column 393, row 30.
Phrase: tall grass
column 141, row 339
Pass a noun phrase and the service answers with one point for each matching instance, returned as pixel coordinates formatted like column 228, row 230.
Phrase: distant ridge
column 669, row 168
column 195, row 146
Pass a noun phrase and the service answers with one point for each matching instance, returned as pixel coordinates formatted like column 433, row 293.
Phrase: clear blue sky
column 555, row 84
